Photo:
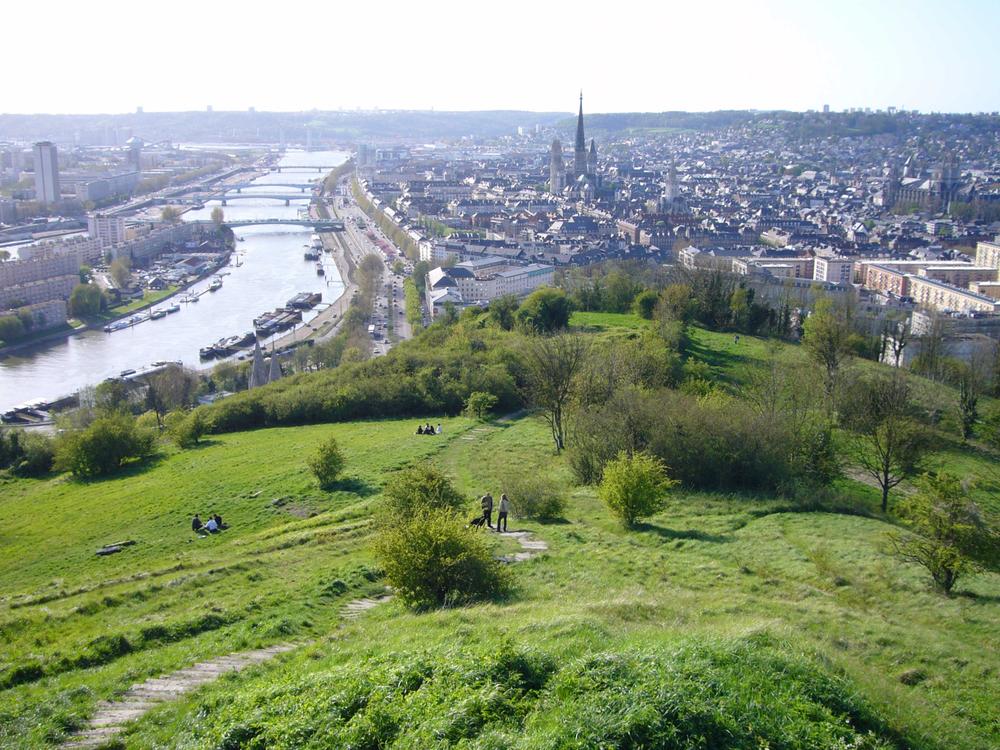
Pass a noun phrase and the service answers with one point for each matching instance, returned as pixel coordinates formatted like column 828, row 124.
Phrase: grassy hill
column 726, row 620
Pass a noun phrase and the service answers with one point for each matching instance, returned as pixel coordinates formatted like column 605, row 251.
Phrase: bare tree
column 889, row 443
column 170, row 388
column 552, row 364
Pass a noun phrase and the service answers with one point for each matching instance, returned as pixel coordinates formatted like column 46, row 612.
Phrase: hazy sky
column 110, row 56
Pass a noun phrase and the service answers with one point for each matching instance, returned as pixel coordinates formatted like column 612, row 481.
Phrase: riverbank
column 327, row 323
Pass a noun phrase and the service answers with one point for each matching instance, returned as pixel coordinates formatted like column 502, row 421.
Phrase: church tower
column 580, row 150
column 557, row 171
column 592, row 158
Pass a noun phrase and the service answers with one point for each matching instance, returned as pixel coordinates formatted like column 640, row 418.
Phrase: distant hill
column 267, row 127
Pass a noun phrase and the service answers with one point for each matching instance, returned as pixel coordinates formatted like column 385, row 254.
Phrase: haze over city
column 630, row 56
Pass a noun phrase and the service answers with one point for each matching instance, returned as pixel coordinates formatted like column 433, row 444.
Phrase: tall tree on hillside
column 218, row 216
column 551, row 365
column 951, row 535
column 828, row 340
column 889, row 443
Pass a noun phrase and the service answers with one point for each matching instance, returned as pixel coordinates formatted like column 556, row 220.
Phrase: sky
column 627, row 56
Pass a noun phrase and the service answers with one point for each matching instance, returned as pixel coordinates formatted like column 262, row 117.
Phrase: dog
column 478, row 522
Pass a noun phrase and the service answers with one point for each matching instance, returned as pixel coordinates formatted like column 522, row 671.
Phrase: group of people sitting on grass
column 213, row 525
column 428, row 429
column 486, row 503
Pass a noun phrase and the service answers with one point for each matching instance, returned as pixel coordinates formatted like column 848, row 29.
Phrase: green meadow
column 727, row 620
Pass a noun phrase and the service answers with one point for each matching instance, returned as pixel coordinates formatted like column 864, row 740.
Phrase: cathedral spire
column 581, row 141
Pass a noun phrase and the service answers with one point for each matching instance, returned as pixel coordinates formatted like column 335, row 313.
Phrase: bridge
column 320, row 225
column 286, row 197
column 223, row 198
column 301, row 186
column 323, row 168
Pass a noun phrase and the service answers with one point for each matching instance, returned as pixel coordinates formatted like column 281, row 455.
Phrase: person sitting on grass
column 218, row 522
column 196, row 524
column 420, row 429
column 212, row 526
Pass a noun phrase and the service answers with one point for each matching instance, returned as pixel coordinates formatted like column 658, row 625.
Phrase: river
column 270, row 271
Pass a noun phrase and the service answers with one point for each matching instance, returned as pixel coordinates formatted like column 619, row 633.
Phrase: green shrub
column 327, row 463
column 634, row 486
column 479, row 404
column 103, row 447
column 37, row 455
column 418, row 488
column 645, row 303
column 534, row 496
column 431, row 559
column 187, row 428
column 26, row 454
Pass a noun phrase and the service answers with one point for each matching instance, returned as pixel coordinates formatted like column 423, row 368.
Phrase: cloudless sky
column 627, row 55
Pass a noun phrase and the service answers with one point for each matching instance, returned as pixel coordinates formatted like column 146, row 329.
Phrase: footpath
column 112, row 716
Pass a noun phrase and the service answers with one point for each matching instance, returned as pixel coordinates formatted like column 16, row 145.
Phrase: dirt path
column 112, row 716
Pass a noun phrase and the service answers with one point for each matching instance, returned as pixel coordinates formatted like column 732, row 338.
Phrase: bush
column 546, row 310
column 431, row 559
column 187, row 428
column 534, row 496
column 327, row 463
column 416, row 489
column 634, row 486
column 37, row 455
column 479, row 404
column 103, row 447
column 26, row 454
column 645, row 304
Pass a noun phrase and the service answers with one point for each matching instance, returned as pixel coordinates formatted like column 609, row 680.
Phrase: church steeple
column 580, row 151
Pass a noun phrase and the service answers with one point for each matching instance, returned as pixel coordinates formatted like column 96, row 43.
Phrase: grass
column 149, row 298
column 736, row 618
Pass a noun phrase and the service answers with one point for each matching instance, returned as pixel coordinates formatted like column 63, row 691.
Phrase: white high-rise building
column 46, row 172
column 107, row 230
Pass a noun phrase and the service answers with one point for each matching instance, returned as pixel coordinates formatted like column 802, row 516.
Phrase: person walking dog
column 502, row 512
column 487, row 505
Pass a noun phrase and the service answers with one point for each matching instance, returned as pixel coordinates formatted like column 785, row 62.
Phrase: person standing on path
column 502, row 512
column 487, row 505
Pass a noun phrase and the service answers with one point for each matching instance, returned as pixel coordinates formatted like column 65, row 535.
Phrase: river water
column 271, row 270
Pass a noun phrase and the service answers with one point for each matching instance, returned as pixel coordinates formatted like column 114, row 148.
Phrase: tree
column 951, row 536
column 415, row 489
column 634, row 486
column 889, row 443
column 86, row 300
column 121, row 272
column 479, row 404
column 551, row 366
column 86, row 272
column 11, row 328
column 187, row 428
column 170, row 214
column 546, row 310
column 969, row 388
column 173, row 387
column 420, row 270
column 327, row 463
column 431, row 559
column 502, row 311
column 932, row 350
column 218, row 216
column 645, row 303
column 828, row 340
column 103, row 447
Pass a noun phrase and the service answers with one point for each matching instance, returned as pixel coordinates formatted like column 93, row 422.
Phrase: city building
column 46, row 172
column 107, row 230
column 836, row 270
